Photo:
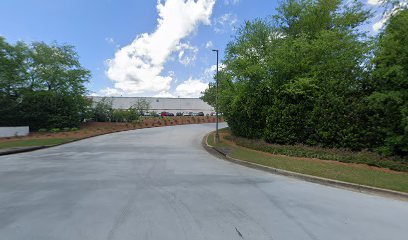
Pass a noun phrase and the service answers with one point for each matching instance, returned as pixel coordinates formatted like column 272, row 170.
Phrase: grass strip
column 341, row 155
column 34, row 142
column 352, row 173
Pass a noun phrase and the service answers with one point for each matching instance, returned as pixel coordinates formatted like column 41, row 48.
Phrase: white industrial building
column 158, row 104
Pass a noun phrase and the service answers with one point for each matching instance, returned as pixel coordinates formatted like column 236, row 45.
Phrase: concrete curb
column 21, row 150
column 324, row 181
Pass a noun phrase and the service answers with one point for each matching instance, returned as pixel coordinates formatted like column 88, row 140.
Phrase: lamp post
column 217, row 136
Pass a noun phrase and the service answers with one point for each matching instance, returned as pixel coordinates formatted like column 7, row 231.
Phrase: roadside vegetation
column 347, row 172
column 336, row 154
column 311, row 76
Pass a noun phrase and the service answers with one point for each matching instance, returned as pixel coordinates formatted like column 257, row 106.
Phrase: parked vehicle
column 178, row 114
column 164, row 114
column 170, row 114
column 187, row 113
column 200, row 114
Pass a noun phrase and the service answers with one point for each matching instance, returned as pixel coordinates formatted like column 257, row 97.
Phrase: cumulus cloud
column 225, row 23
column 110, row 92
column 137, row 68
column 187, row 54
column 164, row 94
column 191, row 88
column 209, row 44
column 390, row 9
column 110, row 40
column 374, row 2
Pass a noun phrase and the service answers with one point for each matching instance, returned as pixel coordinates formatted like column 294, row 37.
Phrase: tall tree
column 41, row 85
column 301, row 76
column 390, row 99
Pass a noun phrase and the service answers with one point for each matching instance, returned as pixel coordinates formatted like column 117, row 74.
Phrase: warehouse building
column 157, row 104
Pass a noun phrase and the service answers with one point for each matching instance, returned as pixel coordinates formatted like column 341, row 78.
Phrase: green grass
column 341, row 155
column 211, row 142
column 397, row 181
column 34, row 142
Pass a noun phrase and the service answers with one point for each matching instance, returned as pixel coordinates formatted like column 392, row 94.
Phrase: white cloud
column 191, row 88
column 110, row 40
column 164, row 94
column 209, row 44
column 110, row 92
column 374, row 2
column 389, row 11
column 194, row 86
column 137, row 67
column 231, row 2
column 225, row 23
column 380, row 24
column 187, row 54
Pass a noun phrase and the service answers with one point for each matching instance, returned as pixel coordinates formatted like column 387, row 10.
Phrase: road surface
column 159, row 183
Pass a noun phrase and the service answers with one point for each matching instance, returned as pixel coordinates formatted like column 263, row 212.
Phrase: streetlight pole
column 217, row 136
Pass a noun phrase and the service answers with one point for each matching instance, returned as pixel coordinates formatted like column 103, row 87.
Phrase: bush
column 42, row 130
column 66, row 129
column 55, row 130
column 74, row 129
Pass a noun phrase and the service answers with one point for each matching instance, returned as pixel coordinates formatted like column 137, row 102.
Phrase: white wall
column 14, row 131
column 158, row 105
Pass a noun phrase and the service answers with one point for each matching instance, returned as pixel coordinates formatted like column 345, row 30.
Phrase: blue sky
column 137, row 47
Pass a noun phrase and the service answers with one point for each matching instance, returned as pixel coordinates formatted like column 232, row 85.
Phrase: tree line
column 310, row 75
column 41, row 85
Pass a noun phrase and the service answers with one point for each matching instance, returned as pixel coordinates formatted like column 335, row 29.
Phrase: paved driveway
column 159, row 183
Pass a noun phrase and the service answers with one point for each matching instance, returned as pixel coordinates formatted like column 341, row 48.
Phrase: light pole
column 217, row 136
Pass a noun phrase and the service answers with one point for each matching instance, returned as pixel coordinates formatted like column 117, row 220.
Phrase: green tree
column 41, row 85
column 390, row 99
column 103, row 110
column 300, row 77
column 142, row 105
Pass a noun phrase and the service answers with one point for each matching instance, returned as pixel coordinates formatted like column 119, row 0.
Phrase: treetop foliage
column 309, row 75
column 41, row 85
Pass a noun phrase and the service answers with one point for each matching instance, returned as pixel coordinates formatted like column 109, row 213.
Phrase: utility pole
column 217, row 136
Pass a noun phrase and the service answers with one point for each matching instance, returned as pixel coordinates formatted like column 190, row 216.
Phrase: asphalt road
column 160, row 183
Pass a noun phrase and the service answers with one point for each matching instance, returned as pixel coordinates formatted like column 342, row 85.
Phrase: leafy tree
column 103, row 111
column 300, row 77
column 12, row 81
column 41, row 85
column 390, row 99
column 142, row 105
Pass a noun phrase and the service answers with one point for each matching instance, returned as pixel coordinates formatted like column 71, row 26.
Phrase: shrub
column 55, row 130
column 74, row 129
column 42, row 130
column 66, row 129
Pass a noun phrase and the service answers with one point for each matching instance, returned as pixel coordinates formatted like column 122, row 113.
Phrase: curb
column 21, row 150
column 309, row 178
